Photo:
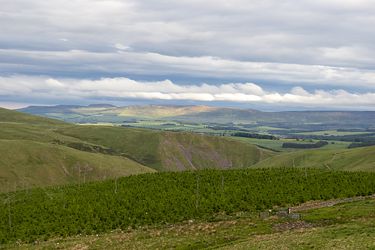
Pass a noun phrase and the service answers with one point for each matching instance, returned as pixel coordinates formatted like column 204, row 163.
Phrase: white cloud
column 107, row 88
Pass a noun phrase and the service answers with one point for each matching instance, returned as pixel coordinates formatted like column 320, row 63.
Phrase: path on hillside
column 329, row 203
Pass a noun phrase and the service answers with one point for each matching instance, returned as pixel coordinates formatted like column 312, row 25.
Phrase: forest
column 170, row 197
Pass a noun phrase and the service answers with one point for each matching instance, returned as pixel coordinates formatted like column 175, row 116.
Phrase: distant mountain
column 45, row 110
column 101, row 106
column 226, row 115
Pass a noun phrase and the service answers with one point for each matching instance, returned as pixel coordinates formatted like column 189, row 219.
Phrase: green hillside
column 18, row 117
column 38, row 151
column 31, row 155
column 26, row 164
column 171, row 150
column 357, row 159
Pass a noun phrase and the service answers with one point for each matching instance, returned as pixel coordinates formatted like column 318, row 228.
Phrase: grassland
column 27, row 164
column 30, row 156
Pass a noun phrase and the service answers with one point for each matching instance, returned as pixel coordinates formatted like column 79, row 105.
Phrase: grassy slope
column 344, row 226
column 26, row 164
column 357, row 159
column 192, row 151
column 18, row 117
column 158, row 150
column 138, row 144
column 170, row 150
column 29, row 157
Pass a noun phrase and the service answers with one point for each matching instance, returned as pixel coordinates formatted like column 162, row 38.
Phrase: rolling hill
column 26, row 164
column 170, row 151
column 38, row 151
column 31, row 156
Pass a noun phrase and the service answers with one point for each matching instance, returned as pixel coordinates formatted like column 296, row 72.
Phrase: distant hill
column 206, row 114
column 38, row 151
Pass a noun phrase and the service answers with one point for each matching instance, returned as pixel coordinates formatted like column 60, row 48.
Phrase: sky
column 266, row 54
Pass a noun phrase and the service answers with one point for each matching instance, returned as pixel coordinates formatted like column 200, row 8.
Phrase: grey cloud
column 152, row 63
column 276, row 31
column 307, row 42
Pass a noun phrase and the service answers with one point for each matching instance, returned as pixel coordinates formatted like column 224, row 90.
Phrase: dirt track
column 320, row 204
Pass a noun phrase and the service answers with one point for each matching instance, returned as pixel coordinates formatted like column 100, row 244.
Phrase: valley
column 143, row 185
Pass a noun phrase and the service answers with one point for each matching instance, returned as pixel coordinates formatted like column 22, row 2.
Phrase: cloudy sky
column 267, row 54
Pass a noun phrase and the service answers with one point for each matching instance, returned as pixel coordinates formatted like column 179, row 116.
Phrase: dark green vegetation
column 277, row 145
column 344, row 226
column 256, row 136
column 38, row 151
column 166, row 198
column 318, row 144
